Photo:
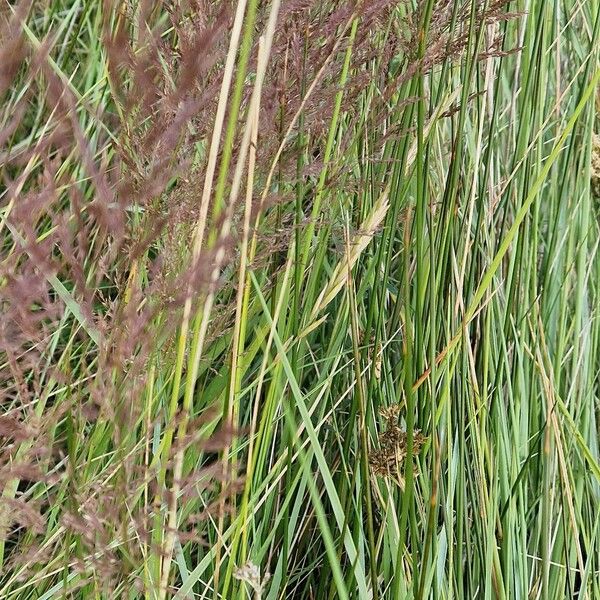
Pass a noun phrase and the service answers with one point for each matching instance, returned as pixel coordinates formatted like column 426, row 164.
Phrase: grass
column 300, row 300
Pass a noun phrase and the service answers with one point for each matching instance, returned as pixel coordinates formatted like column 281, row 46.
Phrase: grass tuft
column 299, row 299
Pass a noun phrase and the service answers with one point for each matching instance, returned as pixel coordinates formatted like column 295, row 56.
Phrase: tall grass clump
column 300, row 299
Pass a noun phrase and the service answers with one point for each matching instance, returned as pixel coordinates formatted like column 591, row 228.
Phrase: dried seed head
column 388, row 459
column 250, row 574
column 390, row 413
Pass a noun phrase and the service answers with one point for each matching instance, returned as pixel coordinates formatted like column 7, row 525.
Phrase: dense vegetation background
column 299, row 299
